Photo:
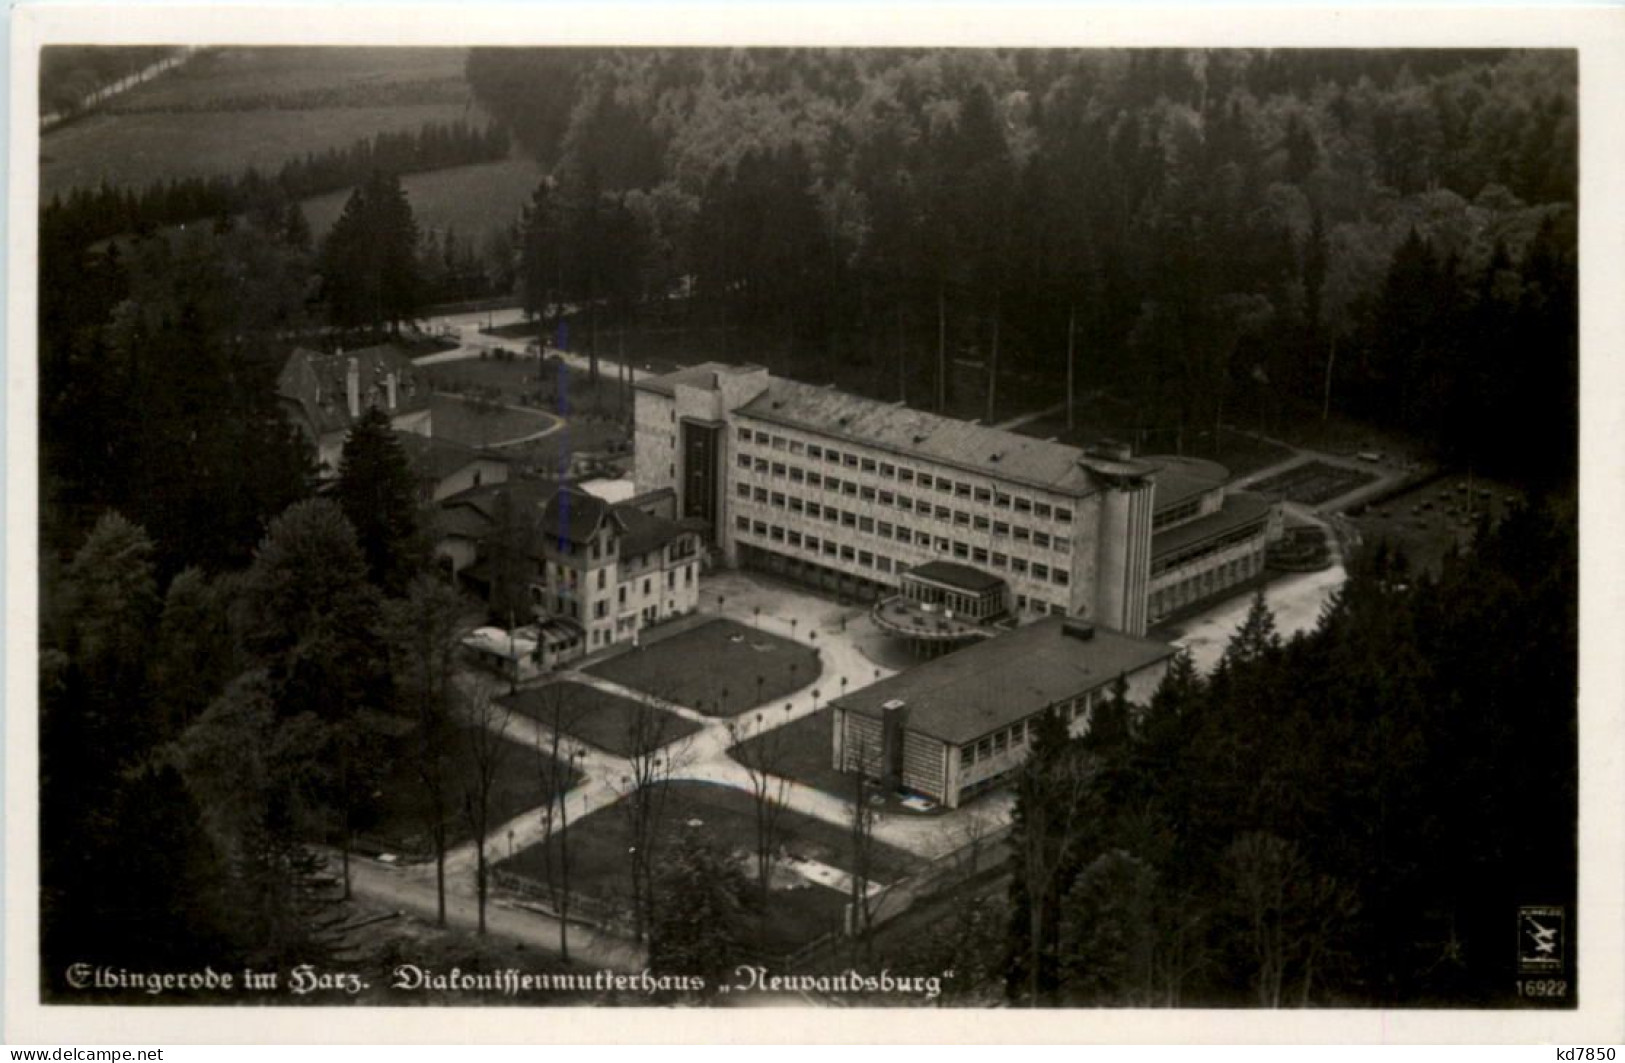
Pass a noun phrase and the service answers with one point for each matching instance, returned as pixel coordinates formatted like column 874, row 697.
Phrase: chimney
column 389, row 388
column 352, row 386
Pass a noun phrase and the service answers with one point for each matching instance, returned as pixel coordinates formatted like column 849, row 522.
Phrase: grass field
column 471, row 200
column 475, row 425
column 614, row 724
column 725, row 817
column 715, row 668
column 403, row 805
column 1312, row 483
column 237, row 77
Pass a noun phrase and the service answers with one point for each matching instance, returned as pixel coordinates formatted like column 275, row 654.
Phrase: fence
column 943, row 872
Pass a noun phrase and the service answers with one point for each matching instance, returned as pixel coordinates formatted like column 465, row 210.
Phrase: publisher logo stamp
column 1540, row 938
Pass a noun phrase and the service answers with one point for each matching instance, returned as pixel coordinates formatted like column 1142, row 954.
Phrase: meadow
column 470, row 200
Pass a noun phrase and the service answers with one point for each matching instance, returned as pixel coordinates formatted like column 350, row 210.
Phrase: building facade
column 962, row 723
column 850, row 493
column 1206, row 539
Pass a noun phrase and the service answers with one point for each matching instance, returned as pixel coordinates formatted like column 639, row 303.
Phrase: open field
column 1432, row 519
column 559, row 388
column 136, row 150
column 1312, row 483
column 720, row 668
column 477, row 425
column 802, row 751
column 725, row 817
column 469, row 200
column 400, row 819
column 291, row 77
column 614, row 724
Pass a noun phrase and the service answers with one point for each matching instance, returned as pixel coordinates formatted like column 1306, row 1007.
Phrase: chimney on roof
column 1078, row 628
column 390, row 390
column 352, row 386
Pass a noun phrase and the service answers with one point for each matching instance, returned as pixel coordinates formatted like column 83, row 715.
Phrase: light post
column 815, row 701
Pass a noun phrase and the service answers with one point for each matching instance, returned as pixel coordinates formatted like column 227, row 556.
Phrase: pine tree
column 377, row 492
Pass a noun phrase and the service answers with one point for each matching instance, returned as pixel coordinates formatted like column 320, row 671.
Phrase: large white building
column 850, row 493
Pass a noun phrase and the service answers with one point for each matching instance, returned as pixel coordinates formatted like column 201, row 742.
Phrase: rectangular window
column 887, row 469
column 887, row 498
column 778, row 499
column 870, row 465
column 944, row 514
column 866, row 525
column 1024, row 505
column 648, row 585
column 848, row 519
column 925, row 479
column 905, row 503
column 883, row 563
column 757, row 527
column 814, row 450
column 796, row 505
column 797, row 446
column 1000, row 560
column 744, row 461
column 742, row 490
column 945, row 485
column 866, row 559
column 1001, row 528
column 796, row 475
column 980, row 522
column 779, row 442
column 829, row 548
column 1063, row 545
column 978, row 555
column 760, row 465
column 1060, row 576
column 812, row 543
column 832, row 456
column 1040, row 572
column 867, row 494
column 1000, row 742
column 984, row 495
column 849, row 488
column 832, row 514
column 777, row 533
column 1023, row 535
column 905, row 476
column 794, row 537
column 904, row 535
column 848, row 553
column 849, row 460
column 814, row 480
column 961, row 551
column 984, row 748
column 742, row 523
column 885, row 529
column 1041, row 540
column 1042, row 510
column 1063, row 515
column 961, row 518
column 832, row 483
column 1001, row 500
column 1018, row 566
column 942, row 545
column 961, row 489
column 760, row 494
column 778, row 468
column 967, row 756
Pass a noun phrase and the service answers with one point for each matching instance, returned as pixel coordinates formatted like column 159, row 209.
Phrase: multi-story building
column 850, row 493
column 613, row 570
column 963, row 722
column 1205, row 540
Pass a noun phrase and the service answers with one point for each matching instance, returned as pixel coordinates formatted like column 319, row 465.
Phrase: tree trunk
column 993, row 362
column 440, row 875
column 479, row 874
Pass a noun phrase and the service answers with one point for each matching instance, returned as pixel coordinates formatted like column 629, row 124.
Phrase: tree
column 1288, row 914
column 488, row 749
column 699, row 923
column 423, row 631
column 197, row 651
column 377, row 492
column 1108, row 933
column 644, row 791
column 554, row 764
column 860, row 831
column 765, row 760
column 369, row 261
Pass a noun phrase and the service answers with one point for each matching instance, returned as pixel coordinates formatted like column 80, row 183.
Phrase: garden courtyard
column 720, row 668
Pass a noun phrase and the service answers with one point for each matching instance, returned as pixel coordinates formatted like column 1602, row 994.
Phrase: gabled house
column 444, row 468
column 325, row 394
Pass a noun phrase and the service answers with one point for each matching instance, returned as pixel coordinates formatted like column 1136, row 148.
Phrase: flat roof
column 972, row 692
column 954, row 574
column 1240, row 509
column 975, row 448
column 1180, row 478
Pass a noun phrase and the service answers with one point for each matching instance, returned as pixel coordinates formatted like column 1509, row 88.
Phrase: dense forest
column 1217, row 234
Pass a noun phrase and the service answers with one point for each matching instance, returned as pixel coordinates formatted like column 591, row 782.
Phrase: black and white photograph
column 1091, row 528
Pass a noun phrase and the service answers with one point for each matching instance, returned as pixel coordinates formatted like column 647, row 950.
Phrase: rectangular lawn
column 720, row 668
column 614, row 724
column 724, row 817
column 803, row 751
column 399, row 819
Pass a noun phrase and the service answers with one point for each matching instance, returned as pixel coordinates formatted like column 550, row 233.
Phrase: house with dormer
column 324, row 395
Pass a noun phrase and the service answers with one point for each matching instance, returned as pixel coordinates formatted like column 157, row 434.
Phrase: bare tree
column 423, row 631
column 488, row 748
column 554, row 770
column 1055, row 799
column 643, row 790
column 765, row 761
column 1290, row 913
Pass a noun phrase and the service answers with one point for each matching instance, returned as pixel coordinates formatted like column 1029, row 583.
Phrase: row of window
column 886, row 470
column 1197, row 551
column 1018, row 734
column 956, row 517
column 960, row 551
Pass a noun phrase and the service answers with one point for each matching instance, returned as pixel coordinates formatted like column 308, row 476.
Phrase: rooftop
column 439, row 458
column 319, row 384
column 1240, row 509
column 1180, row 478
column 971, row 692
column 953, row 574
column 916, row 433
